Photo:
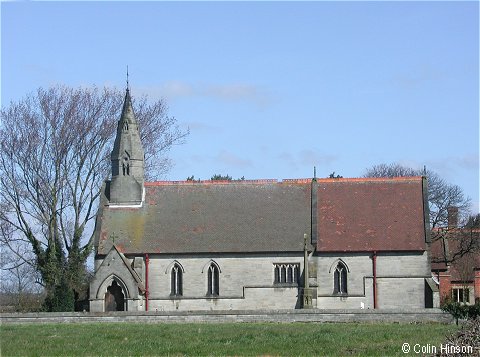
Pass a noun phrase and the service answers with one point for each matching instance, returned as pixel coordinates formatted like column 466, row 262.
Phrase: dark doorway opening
column 114, row 298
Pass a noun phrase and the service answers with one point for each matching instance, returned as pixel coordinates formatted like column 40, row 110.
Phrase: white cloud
column 176, row 89
column 238, row 92
column 308, row 158
column 417, row 77
column 470, row 162
column 200, row 126
column 232, row 160
column 226, row 92
column 289, row 159
column 449, row 165
column 312, row 158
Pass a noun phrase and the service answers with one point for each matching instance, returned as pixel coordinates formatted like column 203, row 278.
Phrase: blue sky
column 271, row 89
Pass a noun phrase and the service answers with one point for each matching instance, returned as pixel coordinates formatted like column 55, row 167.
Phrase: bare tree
column 441, row 194
column 473, row 222
column 18, row 276
column 55, row 154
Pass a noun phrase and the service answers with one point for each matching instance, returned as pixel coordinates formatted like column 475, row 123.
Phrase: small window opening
column 176, row 281
column 340, row 279
column 277, row 274
column 461, row 295
column 286, row 274
column 213, row 288
column 126, row 167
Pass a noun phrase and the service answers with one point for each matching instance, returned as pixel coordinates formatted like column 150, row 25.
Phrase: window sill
column 285, row 285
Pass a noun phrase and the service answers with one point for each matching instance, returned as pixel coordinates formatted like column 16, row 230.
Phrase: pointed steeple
column 126, row 187
column 127, row 118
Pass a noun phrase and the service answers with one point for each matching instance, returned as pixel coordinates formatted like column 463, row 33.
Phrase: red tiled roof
column 371, row 214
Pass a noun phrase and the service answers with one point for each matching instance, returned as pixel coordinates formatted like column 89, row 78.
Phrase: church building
column 341, row 243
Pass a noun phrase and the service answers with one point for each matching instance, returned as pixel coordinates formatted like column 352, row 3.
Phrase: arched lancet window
column 125, row 125
column 126, row 167
column 176, row 286
column 340, row 279
column 213, row 288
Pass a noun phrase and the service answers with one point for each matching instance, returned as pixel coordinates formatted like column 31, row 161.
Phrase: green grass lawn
column 242, row 339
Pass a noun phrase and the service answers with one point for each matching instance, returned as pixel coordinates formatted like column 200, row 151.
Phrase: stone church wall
column 401, row 293
column 359, row 269
column 245, row 282
column 400, row 280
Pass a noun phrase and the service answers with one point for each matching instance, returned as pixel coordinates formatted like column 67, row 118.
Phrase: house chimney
column 452, row 217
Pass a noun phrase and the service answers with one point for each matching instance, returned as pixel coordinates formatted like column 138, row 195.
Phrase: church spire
column 126, row 187
column 127, row 78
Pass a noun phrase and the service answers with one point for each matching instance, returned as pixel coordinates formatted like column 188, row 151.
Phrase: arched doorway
column 114, row 298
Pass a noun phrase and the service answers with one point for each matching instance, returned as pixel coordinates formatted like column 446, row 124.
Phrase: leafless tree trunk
column 55, row 146
column 18, row 278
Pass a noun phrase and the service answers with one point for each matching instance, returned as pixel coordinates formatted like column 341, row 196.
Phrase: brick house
column 457, row 275
column 259, row 244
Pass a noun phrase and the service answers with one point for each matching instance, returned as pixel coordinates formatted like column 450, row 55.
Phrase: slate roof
column 267, row 216
column 262, row 216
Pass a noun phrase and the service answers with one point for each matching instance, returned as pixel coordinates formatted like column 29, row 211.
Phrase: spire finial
column 127, row 78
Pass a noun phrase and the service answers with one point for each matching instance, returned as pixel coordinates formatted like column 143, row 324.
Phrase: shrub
column 462, row 311
column 61, row 300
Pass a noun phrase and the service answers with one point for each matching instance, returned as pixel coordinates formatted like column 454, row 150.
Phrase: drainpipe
column 146, row 281
column 374, row 260
column 305, row 263
column 307, row 292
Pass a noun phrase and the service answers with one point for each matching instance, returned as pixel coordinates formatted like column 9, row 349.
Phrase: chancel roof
column 268, row 216
column 372, row 214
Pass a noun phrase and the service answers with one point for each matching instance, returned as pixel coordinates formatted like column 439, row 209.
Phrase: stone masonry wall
column 285, row 316
column 400, row 280
column 245, row 282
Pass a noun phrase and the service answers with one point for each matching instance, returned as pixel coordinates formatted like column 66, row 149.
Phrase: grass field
column 242, row 339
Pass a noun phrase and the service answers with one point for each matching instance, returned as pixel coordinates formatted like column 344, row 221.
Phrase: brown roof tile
column 366, row 214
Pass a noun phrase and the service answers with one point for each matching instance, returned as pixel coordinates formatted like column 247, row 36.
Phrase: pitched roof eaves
column 370, row 179
column 370, row 250
column 130, row 269
column 285, row 181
